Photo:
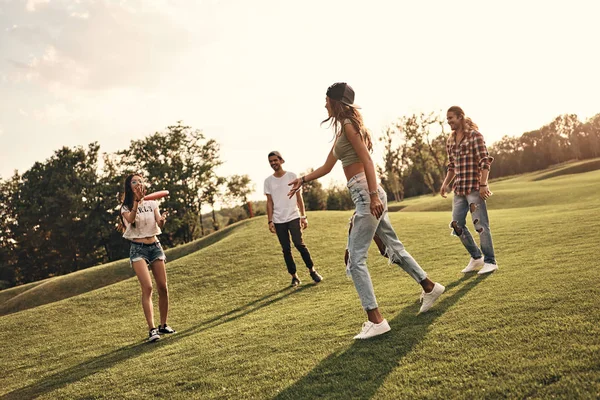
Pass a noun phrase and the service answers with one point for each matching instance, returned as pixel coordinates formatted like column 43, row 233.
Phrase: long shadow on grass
column 83, row 370
column 360, row 370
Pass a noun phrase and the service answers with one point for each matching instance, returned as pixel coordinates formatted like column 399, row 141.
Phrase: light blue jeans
column 364, row 227
column 460, row 207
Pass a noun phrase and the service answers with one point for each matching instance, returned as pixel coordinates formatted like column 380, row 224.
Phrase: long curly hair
column 341, row 112
column 468, row 124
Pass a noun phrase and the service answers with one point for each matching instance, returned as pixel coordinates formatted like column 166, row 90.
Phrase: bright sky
column 253, row 74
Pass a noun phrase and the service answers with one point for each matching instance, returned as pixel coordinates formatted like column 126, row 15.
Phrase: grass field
column 529, row 330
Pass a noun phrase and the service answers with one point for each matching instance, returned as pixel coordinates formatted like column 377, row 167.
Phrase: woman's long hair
column 468, row 124
column 341, row 112
column 127, row 200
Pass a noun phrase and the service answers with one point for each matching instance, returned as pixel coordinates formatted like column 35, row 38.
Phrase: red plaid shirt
column 467, row 159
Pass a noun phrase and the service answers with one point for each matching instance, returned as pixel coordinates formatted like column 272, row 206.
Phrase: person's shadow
column 358, row 372
column 78, row 372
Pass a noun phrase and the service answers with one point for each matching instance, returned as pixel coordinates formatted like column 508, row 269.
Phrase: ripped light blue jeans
column 476, row 205
column 364, row 227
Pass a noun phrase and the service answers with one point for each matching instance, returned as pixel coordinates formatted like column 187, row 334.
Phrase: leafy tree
column 239, row 188
column 55, row 234
column 8, row 220
column 212, row 193
column 338, row 198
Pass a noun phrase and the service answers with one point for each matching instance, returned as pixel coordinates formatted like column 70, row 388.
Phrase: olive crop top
column 343, row 150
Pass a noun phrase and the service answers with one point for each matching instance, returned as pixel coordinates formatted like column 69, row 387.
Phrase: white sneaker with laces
column 153, row 335
column 427, row 299
column 487, row 268
column 369, row 329
column 473, row 265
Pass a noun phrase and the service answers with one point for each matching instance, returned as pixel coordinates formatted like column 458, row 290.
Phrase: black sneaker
column 315, row 276
column 165, row 329
column 153, row 335
column 295, row 281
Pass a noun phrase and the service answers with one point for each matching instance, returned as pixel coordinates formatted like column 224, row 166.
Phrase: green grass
column 530, row 330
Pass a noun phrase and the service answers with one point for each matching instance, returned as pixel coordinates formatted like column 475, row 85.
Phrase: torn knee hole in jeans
column 458, row 231
column 477, row 225
column 473, row 207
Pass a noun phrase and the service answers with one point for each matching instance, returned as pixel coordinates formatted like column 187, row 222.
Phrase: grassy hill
column 530, row 330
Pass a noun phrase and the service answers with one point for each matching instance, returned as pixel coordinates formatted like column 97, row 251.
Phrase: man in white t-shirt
column 287, row 217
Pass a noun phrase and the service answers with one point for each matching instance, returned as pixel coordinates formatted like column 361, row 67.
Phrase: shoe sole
column 153, row 339
column 371, row 337
column 487, row 272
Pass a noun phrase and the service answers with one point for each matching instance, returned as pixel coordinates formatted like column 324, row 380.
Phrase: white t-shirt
column 145, row 221
column 284, row 208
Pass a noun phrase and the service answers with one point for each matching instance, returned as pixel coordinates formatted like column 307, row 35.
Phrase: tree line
column 62, row 214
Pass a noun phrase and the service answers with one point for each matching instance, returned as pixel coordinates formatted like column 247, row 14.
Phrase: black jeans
column 283, row 234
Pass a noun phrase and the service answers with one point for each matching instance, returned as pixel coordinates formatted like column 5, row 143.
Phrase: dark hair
column 126, row 200
column 276, row 154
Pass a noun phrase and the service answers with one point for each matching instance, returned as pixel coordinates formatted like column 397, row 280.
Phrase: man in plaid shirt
column 469, row 162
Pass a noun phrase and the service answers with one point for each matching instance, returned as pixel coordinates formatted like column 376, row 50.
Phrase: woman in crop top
column 352, row 146
column 141, row 222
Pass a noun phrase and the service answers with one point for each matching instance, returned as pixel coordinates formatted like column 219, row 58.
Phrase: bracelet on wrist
column 303, row 217
column 302, row 181
column 480, row 185
column 270, row 222
column 374, row 192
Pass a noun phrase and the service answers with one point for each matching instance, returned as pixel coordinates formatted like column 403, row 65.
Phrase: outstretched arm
column 323, row 170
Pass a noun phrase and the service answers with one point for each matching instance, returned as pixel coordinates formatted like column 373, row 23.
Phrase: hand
column 296, row 184
column 484, row 192
column 376, row 206
column 304, row 223
column 272, row 227
column 163, row 216
column 138, row 193
column 443, row 191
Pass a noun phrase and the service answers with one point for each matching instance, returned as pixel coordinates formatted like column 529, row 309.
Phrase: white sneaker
column 487, row 268
column 369, row 329
column 473, row 265
column 429, row 298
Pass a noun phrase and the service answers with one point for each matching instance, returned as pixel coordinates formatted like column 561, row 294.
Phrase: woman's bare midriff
column 146, row 240
column 353, row 169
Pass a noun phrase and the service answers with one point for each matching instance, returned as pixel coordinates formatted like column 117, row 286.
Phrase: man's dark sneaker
column 315, row 276
column 153, row 335
column 295, row 281
column 165, row 329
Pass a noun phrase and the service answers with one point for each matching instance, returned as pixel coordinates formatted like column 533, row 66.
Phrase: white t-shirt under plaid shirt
column 284, row 208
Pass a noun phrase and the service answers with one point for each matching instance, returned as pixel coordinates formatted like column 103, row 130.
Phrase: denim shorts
column 149, row 252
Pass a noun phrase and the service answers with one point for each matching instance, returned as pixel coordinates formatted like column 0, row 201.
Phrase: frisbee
column 156, row 195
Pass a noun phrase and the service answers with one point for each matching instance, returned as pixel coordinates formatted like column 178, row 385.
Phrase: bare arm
column 316, row 174
column 300, row 203
column 449, row 176
column 138, row 194
column 270, row 213
column 160, row 219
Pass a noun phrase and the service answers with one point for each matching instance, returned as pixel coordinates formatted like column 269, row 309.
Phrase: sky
column 253, row 74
